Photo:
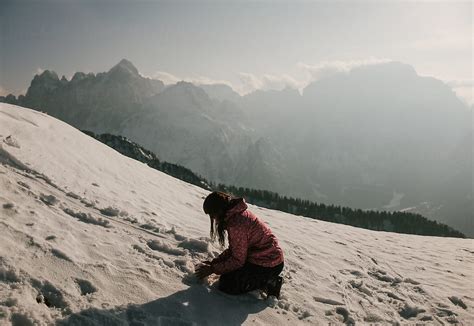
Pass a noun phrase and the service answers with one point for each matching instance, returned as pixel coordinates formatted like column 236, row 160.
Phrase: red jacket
column 249, row 240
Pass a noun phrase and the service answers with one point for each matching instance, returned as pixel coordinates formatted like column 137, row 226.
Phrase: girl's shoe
column 274, row 287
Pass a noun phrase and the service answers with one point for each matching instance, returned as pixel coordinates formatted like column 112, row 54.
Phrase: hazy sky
column 247, row 44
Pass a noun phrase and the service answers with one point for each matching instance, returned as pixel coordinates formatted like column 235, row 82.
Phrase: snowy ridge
column 91, row 237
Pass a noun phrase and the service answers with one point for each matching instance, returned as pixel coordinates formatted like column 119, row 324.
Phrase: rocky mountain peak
column 184, row 88
column 124, row 68
column 78, row 76
column 46, row 81
column 47, row 75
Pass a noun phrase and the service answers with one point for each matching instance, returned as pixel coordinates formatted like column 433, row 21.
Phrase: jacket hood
column 237, row 206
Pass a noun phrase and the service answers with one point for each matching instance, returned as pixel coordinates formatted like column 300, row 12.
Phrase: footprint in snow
column 61, row 255
column 49, row 200
column 361, row 287
column 150, row 227
column 10, row 141
column 87, row 218
column 85, row 286
column 164, row 247
column 410, row 311
column 382, row 276
column 8, row 206
column 23, row 184
column 394, row 296
column 195, row 245
column 444, row 312
column 49, row 295
column 73, row 195
column 458, row 302
column 347, row 319
column 9, row 275
column 110, row 211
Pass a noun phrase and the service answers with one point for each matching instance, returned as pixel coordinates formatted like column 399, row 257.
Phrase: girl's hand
column 203, row 270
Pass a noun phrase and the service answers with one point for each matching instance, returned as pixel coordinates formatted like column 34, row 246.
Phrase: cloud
column 461, row 83
column 251, row 82
column 465, row 94
column 201, row 80
column 280, row 81
column 165, row 77
column 328, row 68
column 39, row 71
column 248, row 82
column 169, row 78
column 464, row 89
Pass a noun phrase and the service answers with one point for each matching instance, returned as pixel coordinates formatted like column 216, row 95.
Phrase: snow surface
column 91, row 237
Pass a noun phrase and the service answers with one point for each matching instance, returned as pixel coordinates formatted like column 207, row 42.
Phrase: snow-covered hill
column 91, row 237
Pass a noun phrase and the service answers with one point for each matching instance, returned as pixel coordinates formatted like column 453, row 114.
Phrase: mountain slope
column 130, row 149
column 187, row 127
column 90, row 237
column 220, row 92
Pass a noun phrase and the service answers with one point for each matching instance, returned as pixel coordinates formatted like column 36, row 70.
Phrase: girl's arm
column 237, row 251
column 223, row 256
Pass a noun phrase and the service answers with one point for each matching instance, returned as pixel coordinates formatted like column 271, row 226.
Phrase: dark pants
column 248, row 278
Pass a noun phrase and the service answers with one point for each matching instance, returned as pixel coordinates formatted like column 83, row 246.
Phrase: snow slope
column 91, row 237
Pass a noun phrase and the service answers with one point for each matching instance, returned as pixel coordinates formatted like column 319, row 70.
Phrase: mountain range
column 376, row 137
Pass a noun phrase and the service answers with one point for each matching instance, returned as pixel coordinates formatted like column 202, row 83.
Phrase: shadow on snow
column 197, row 305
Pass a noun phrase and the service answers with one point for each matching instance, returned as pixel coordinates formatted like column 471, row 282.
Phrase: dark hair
column 216, row 204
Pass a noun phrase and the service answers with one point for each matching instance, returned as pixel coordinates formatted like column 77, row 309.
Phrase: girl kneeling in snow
column 253, row 260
